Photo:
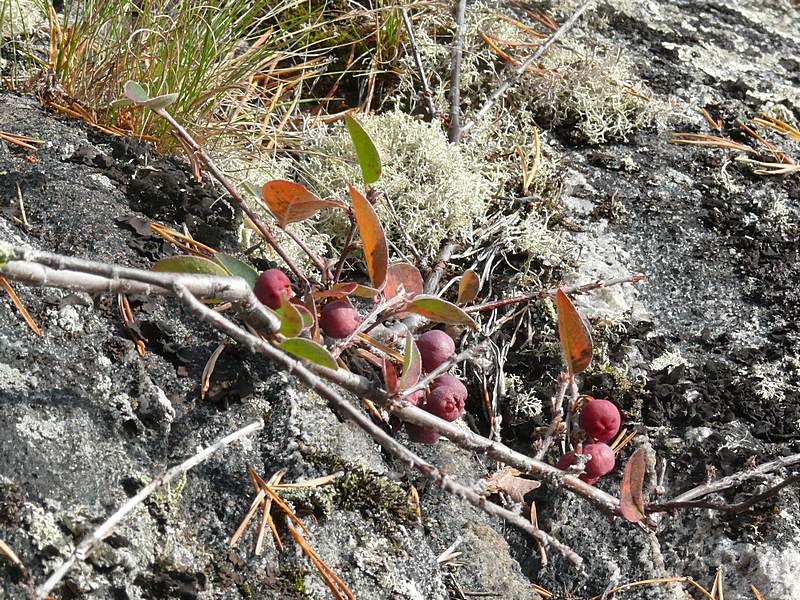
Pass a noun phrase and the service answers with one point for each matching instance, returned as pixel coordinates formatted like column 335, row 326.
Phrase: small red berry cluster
column 446, row 395
column 600, row 421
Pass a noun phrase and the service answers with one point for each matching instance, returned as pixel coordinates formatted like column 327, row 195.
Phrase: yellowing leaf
column 292, row 322
column 189, row 264
column 573, row 331
column 376, row 252
column 440, row 311
column 468, row 287
column 631, row 498
column 368, row 158
column 291, row 202
column 311, row 351
column 405, row 275
column 412, row 363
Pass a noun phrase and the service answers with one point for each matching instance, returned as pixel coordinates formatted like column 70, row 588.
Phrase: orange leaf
column 573, row 331
column 291, row 202
column 390, row 377
column 376, row 252
column 468, row 287
column 631, row 498
column 403, row 274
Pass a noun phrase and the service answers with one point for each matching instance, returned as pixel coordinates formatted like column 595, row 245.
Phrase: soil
column 705, row 356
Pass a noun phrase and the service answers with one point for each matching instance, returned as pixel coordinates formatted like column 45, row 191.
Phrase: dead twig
column 557, row 408
column 426, row 90
column 575, row 289
column 455, row 130
column 87, row 545
column 502, row 90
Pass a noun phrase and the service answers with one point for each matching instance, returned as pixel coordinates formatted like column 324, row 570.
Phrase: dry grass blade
column 770, row 168
column 130, row 325
column 335, row 584
column 656, row 581
column 780, row 126
column 208, row 370
column 182, row 241
column 701, row 139
column 23, row 141
column 308, row 483
column 6, row 551
column 20, row 306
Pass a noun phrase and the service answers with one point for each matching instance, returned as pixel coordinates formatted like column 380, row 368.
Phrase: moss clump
column 295, row 581
column 375, row 497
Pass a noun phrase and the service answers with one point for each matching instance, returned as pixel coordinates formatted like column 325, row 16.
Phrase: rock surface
column 711, row 343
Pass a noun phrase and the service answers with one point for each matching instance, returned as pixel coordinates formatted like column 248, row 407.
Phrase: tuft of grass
column 232, row 63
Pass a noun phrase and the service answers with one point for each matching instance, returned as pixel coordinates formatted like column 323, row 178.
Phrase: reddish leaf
column 573, row 330
column 468, row 287
column 412, row 363
column 390, row 377
column 631, row 498
column 291, row 202
column 376, row 252
column 405, row 275
column 440, row 311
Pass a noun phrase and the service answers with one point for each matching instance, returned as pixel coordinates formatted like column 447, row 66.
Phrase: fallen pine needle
column 20, row 306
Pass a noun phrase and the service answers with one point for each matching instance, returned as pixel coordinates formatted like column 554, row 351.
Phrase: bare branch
column 455, row 74
column 557, row 408
column 426, row 90
column 87, row 545
column 521, row 69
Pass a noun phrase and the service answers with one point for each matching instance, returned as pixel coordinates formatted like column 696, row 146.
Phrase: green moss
column 295, row 580
column 377, row 498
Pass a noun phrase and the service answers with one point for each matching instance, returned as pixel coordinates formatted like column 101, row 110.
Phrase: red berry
column 421, row 435
column 270, row 285
column 600, row 419
column 417, row 398
column 447, row 401
column 436, row 347
column 445, row 379
column 601, row 463
column 339, row 319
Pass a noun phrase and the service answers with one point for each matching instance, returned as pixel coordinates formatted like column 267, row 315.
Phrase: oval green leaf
column 412, row 363
column 310, row 351
column 368, row 158
column 440, row 311
column 236, row 267
column 135, row 92
column 631, row 498
column 291, row 319
column 189, row 264
column 160, row 102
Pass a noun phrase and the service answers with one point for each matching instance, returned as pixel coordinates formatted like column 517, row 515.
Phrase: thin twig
column 557, row 408
column 262, row 227
column 379, row 435
column 87, row 545
column 735, row 479
column 522, row 68
column 348, row 247
column 426, row 90
column 403, row 230
column 455, row 74
column 723, row 506
column 574, row 289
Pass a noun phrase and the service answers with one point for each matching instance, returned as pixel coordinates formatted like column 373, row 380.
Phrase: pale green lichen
column 523, row 401
column 436, row 190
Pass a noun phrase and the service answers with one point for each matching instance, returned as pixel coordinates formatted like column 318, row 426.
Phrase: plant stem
column 455, row 74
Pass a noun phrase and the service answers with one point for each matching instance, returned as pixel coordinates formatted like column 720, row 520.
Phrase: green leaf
column 160, row 102
column 135, row 92
column 189, row 264
column 440, row 311
column 368, row 157
column 234, row 266
column 412, row 363
column 631, row 497
column 311, row 351
column 291, row 319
